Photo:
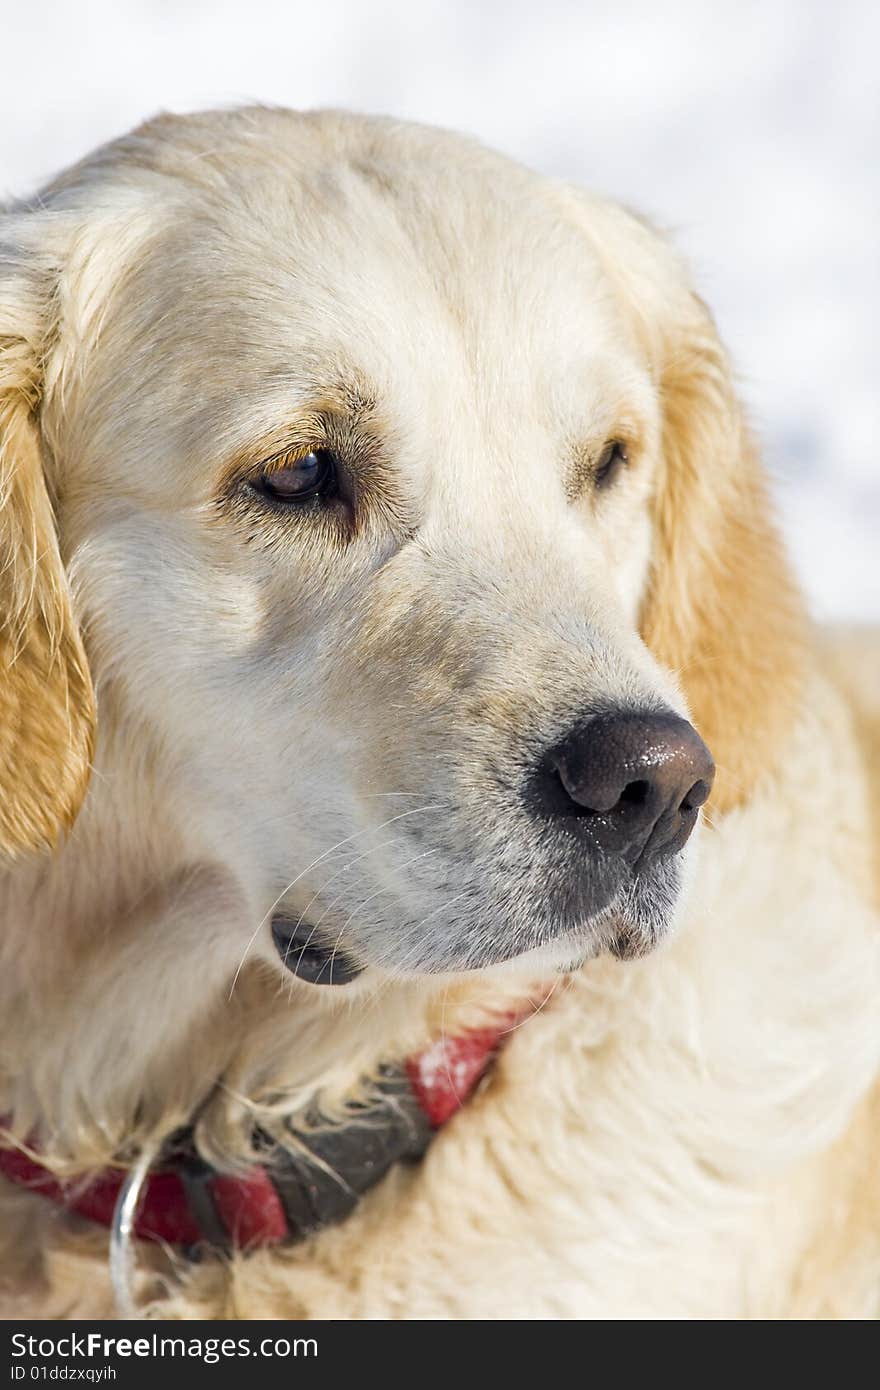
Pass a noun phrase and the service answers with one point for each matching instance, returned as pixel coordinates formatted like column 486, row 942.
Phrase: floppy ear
column 47, row 712
column 722, row 609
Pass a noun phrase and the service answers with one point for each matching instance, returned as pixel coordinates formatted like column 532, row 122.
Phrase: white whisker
column 431, row 806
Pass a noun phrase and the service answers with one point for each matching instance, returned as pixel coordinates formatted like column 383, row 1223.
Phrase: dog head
column 406, row 508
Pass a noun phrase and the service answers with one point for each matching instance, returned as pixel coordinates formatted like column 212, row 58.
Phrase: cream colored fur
column 690, row 1134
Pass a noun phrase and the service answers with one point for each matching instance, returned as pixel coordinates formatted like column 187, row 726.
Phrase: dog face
column 391, row 480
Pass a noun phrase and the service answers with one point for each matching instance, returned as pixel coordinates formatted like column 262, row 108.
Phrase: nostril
column 636, row 793
column 695, row 797
column 564, row 800
column 604, row 802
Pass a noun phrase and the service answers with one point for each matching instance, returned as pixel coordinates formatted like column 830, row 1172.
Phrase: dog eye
column 300, row 479
column 612, row 459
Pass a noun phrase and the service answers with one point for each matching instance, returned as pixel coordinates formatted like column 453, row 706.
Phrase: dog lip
column 626, row 946
column 310, row 959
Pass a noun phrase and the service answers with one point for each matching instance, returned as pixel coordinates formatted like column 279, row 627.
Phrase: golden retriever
column 378, row 527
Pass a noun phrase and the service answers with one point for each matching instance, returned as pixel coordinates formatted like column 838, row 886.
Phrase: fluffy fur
column 338, row 716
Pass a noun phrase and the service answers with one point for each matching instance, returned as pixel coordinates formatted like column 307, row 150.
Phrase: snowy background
column 750, row 129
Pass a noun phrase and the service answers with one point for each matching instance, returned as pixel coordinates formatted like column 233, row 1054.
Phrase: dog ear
column 722, row 610
column 47, row 706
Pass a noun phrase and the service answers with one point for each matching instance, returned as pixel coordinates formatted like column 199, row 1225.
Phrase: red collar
column 185, row 1202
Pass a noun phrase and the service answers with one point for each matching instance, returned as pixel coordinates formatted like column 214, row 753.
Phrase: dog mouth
column 309, row 958
column 625, row 920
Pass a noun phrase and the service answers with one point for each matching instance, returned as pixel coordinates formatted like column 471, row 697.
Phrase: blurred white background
column 749, row 129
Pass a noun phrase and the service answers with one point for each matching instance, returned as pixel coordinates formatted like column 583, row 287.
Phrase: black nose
column 630, row 783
